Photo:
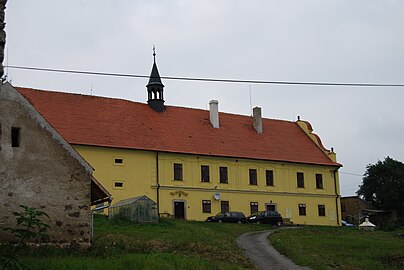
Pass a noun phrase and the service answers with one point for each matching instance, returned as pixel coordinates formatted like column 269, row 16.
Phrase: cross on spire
column 154, row 53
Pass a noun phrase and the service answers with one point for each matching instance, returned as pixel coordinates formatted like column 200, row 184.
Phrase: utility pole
column 2, row 34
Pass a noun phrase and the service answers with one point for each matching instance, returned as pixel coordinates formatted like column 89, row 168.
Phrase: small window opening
column 118, row 161
column 15, row 137
column 118, row 184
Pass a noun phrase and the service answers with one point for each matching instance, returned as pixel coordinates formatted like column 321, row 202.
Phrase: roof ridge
column 138, row 102
column 75, row 94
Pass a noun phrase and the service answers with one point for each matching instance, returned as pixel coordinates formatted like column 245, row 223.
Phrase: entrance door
column 179, row 210
column 271, row 207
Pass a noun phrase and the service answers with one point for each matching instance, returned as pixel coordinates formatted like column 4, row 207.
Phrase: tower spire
column 154, row 54
column 155, row 87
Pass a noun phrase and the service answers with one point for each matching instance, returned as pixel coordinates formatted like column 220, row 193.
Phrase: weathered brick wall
column 42, row 174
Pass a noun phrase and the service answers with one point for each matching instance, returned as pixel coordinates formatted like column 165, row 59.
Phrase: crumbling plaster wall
column 41, row 173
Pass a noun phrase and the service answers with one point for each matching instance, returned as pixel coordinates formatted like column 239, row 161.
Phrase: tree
column 383, row 185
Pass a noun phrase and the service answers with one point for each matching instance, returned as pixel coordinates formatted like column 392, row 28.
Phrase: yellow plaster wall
column 285, row 193
column 138, row 171
column 139, row 175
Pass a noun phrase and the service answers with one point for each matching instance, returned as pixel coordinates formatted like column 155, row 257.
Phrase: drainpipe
column 158, row 186
column 92, row 216
column 336, row 193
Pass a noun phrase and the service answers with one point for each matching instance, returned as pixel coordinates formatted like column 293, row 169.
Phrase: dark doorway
column 179, row 210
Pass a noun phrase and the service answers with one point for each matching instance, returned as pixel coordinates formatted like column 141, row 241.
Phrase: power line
column 206, row 79
column 354, row 174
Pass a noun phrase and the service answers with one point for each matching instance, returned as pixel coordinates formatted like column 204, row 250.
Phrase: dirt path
column 261, row 253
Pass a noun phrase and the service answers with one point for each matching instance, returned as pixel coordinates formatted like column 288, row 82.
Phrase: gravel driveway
column 261, row 253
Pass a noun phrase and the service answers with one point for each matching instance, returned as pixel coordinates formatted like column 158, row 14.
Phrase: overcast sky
column 360, row 41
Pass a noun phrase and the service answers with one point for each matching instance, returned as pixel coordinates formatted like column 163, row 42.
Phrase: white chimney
column 257, row 119
column 214, row 113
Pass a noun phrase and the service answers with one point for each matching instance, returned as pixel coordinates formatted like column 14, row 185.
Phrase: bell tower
column 155, row 88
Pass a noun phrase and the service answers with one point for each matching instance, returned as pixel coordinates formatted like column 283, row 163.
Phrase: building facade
column 39, row 169
column 195, row 163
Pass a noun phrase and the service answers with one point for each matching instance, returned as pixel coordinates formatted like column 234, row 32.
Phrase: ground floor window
column 302, row 209
column 321, row 210
column 206, row 206
column 253, row 207
column 224, row 206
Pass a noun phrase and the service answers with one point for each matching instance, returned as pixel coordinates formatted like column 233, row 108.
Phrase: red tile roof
column 99, row 121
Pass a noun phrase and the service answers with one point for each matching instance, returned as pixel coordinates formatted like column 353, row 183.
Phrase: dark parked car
column 266, row 217
column 235, row 217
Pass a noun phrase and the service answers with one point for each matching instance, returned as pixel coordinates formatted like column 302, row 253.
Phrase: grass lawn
column 341, row 248
column 170, row 244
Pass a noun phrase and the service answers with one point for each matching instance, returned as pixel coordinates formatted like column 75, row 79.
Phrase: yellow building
column 195, row 163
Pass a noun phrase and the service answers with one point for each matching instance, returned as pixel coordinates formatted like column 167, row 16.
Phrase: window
column 224, row 206
column 319, row 181
column 269, row 177
column 321, row 210
column 223, row 175
column 118, row 161
column 253, row 207
column 300, row 179
column 253, row 176
column 15, row 137
column 205, row 174
column 178, row 171
column 118, row 184
column 302, row 209
column 206, row 206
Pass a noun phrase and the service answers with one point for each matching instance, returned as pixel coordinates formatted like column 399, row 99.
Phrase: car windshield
column 258, row 213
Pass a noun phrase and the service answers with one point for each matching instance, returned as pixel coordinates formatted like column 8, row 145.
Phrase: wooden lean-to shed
column 137, row 209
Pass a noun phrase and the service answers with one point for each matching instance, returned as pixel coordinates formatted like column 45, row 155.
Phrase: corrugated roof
column 109, row 122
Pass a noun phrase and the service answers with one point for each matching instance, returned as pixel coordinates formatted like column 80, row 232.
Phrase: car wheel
column 239, row 222
column 220, row 221
column 279, row 223
column 258, row 222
